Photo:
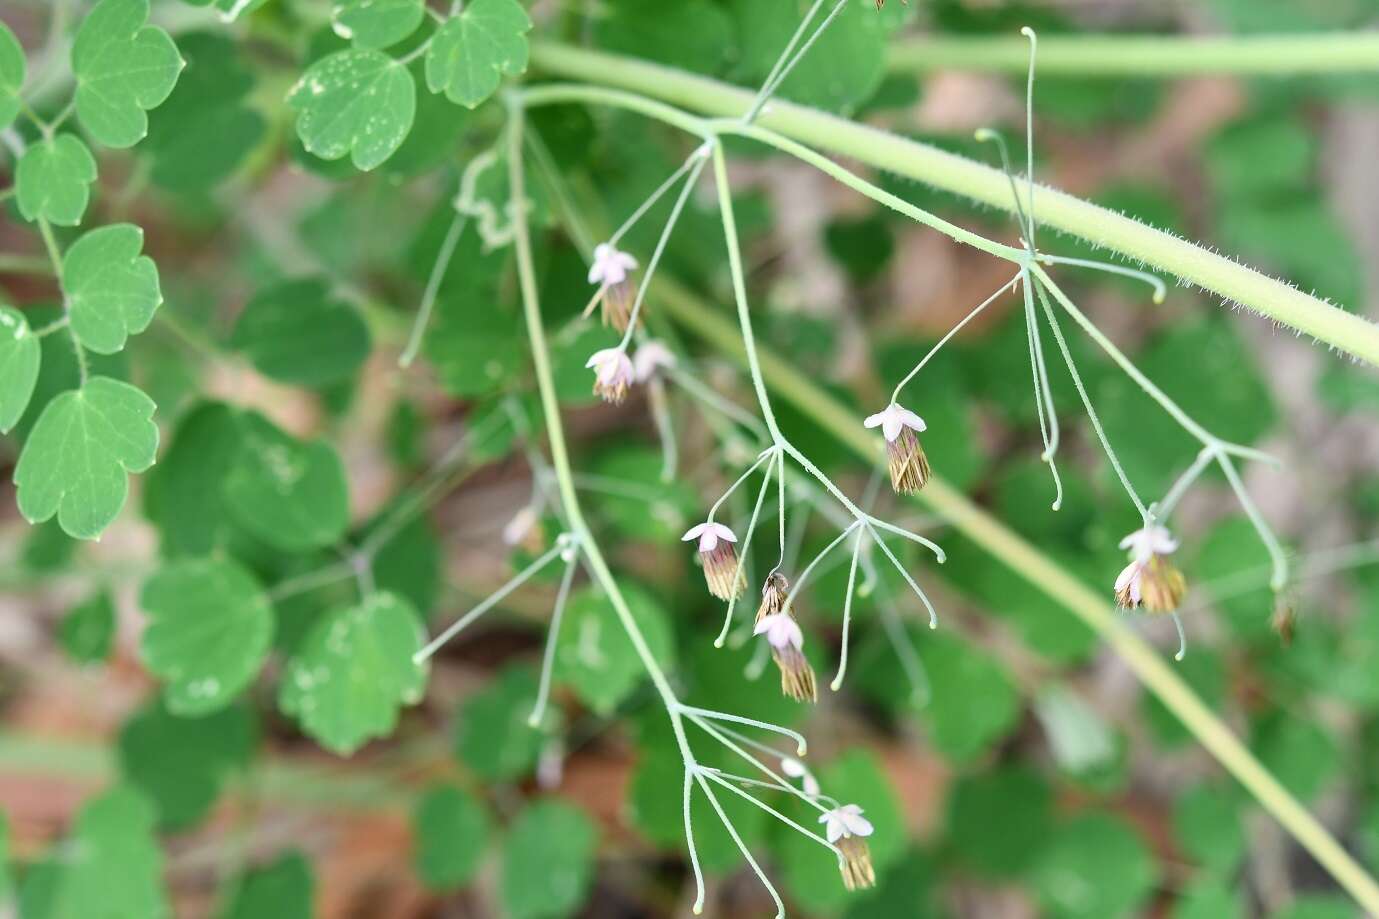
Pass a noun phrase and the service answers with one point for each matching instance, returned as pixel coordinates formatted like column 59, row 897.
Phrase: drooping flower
column 908, row 465
column 787, row 642
column 612, row 374
column 719, row 557
column 773, row 595
column 651, row 357
column 1150, row 580
column 798, row 770
column 846, row 827
column 610, row 271
column 525, row 530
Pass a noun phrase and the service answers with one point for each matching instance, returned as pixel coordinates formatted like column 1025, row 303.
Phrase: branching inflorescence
column 1149, row 582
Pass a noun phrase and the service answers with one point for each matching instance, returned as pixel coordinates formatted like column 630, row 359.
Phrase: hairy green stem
column 1046, row 575
column 968, row 178
column 1144, row 55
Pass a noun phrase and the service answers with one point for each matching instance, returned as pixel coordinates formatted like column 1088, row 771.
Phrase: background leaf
column 355, row 103
column 354, row 671
column 210, row 628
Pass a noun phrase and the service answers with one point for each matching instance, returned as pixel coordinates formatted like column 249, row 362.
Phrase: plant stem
column 1051, row 579
column 962, row 176
column 555, row 434
column 1144, row 55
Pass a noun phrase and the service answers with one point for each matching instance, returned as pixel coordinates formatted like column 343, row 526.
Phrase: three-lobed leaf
column 20, row 356
column 355, row 670
column 123, row 68
column 377, row 23
column 76, row 459
column 296, row 332
column 358, row 103
column 112, row 291
column 210, row 627
column 53, row 180
column 471, row 52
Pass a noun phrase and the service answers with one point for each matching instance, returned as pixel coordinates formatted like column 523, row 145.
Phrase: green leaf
column 112, row 291
column 204, row 131
column 409, row 563
column 354, row 672
column 53, row 180
column 492, row 734
column 973, row 703
column 655, row 809
column 377, row 23
column 843, row 68
column 282, row 889
column 113, row 866
column 1236, row 170
column 296, row 332
column 1093, row 866
column 593, row 653
column 182, row 764
column 209, row 629
column 471, row 52
column 183, row 494
column 998, row 821
column 1300, row 752
column 691, row 34
column 88, row 630
column 1209, row 899
column 358, row 103
column 20, row 357
column 548, row 861
column 1207, row 827
column 75, row 461
column 1232, row 550
column 289, row 493
column 11, row 75
column 451, row 830
column 123, row 68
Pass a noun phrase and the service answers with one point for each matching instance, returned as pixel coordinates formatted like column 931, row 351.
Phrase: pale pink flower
column 845, row 821
column 708, row 533
column 613, row 374
column 651, row 357
column 610, row 266
column 893, row 419
column 781, row 631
